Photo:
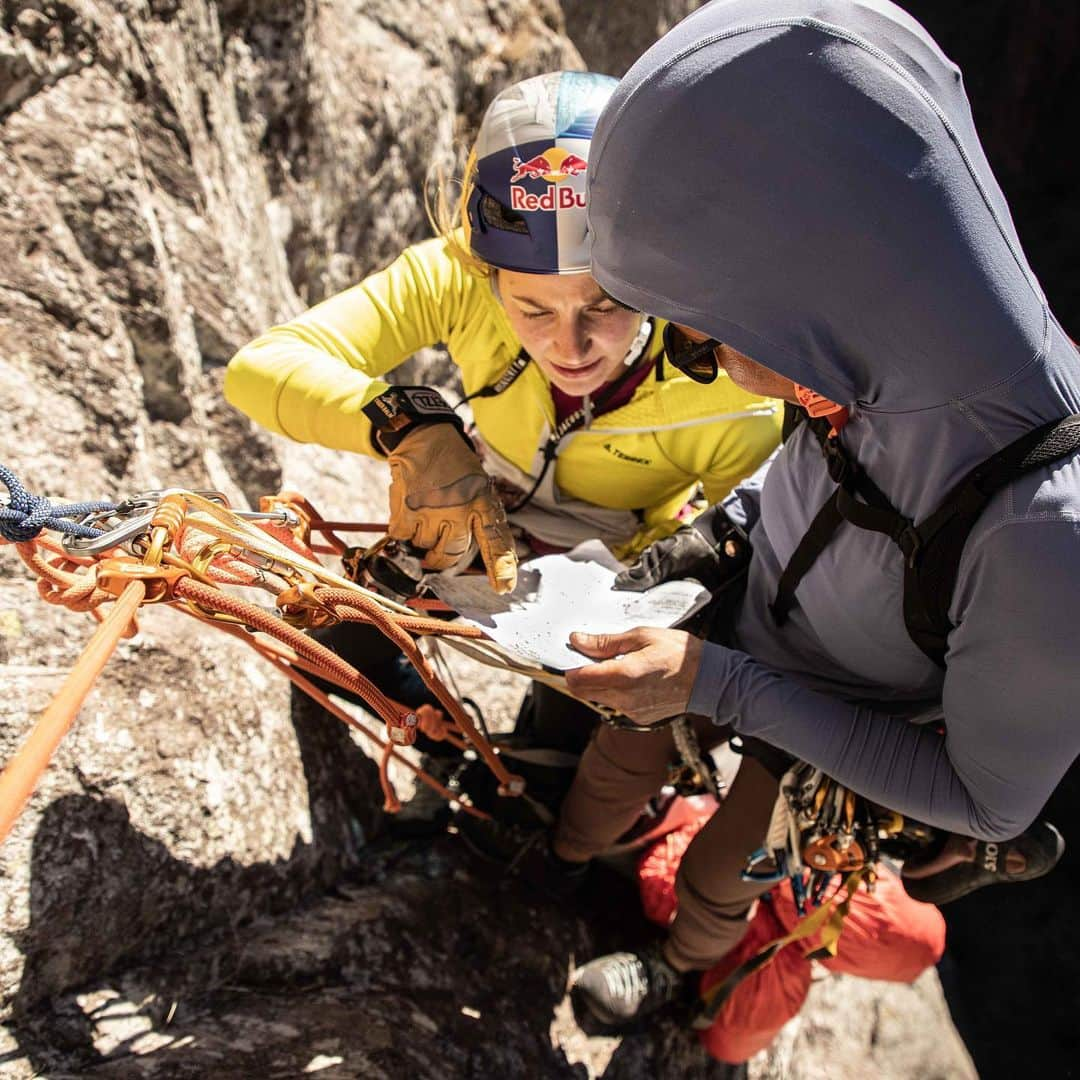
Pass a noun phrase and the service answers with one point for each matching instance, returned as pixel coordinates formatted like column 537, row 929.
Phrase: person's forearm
column 310, row 378
column 295, row 389
column 903, row 766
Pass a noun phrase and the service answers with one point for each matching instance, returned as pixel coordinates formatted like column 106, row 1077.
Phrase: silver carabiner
column 132, row 528
column 281, row 517
column 120, row 534
column 137, row 512
column 145, row 500
column 777, row 872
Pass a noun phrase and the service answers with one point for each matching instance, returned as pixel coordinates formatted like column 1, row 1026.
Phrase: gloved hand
column 441, row 500
column 712, row 549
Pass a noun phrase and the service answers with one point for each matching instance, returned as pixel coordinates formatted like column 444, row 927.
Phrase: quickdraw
column 827, row 841
column 189, row 550
column 821, row 830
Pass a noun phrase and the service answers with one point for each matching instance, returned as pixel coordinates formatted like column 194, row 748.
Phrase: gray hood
column 803, row 181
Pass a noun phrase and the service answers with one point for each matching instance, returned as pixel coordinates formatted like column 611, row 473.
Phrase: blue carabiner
column 798, row 892
column 765, row 877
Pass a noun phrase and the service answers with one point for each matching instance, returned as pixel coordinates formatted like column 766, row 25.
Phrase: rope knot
column 25, row 515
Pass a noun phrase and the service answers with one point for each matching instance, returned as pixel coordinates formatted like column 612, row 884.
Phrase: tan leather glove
column 441, row 499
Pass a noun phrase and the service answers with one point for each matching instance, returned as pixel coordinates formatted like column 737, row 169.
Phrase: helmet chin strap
column 637, row 346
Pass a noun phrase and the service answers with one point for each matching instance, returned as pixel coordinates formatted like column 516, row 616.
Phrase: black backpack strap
column 874, row 511
column 931, row 550
column 794, row 415
column 825, row 523
column 932, row 567
column 814, row 541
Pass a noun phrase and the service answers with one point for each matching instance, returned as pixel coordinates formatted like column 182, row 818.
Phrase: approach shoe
column 1040, row 844
column 625, row 987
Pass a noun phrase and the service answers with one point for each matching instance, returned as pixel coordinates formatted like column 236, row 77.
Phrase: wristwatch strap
column 397, row 411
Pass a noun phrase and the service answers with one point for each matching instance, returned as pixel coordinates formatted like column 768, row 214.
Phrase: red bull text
column 554, row 165
column 554, row 198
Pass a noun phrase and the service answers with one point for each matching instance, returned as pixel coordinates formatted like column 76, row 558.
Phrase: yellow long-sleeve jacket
column 622, row 478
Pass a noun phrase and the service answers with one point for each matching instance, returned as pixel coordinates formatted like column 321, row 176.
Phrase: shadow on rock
column 104, row 896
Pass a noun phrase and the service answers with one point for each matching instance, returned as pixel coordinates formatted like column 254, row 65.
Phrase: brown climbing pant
column 619, row 772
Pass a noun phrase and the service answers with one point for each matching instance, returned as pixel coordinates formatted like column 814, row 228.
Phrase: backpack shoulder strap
column 932, row 549
column 933, row 563
column 874, row 511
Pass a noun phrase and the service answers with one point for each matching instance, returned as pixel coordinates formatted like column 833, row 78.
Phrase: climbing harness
column 191, row 551
column 695, row 772
column 822, row 836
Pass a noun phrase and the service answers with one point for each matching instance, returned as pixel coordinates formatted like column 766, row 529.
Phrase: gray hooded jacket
column 803, row 181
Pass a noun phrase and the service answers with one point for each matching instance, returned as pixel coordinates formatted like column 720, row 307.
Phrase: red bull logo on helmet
column 553, row 165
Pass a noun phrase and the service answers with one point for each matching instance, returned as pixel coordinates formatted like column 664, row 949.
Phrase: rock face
column 176, row 177
column 612, row 36
column 197, row 887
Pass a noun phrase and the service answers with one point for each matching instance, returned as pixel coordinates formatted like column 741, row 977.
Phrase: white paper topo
column 558, row 594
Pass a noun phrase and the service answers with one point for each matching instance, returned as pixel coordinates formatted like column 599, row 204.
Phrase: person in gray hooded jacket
column 826, row 211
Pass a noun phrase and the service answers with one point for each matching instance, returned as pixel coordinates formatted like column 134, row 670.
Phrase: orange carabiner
column 114, row 575
column 301, row 606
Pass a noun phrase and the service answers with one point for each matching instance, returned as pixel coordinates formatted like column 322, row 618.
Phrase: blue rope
column 26, row 515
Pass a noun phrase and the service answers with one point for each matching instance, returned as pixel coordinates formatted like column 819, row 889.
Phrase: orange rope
column 84, row 583
column 334, row 709
column 391, row 802
column 214, row 600
column 23, row 771
column 431, row 721
column 57, row 583
column 421, row 603
column 345, row 604
column 354, row 606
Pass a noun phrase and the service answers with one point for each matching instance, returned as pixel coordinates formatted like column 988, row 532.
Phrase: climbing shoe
column 625, row 987
column 1041, row 845
column 525, row 853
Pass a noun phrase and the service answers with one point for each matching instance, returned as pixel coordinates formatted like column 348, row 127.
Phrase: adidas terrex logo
column 614, row 450
column 990, row 857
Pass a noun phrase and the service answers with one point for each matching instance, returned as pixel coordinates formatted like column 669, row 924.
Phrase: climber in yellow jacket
column 582, row 428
